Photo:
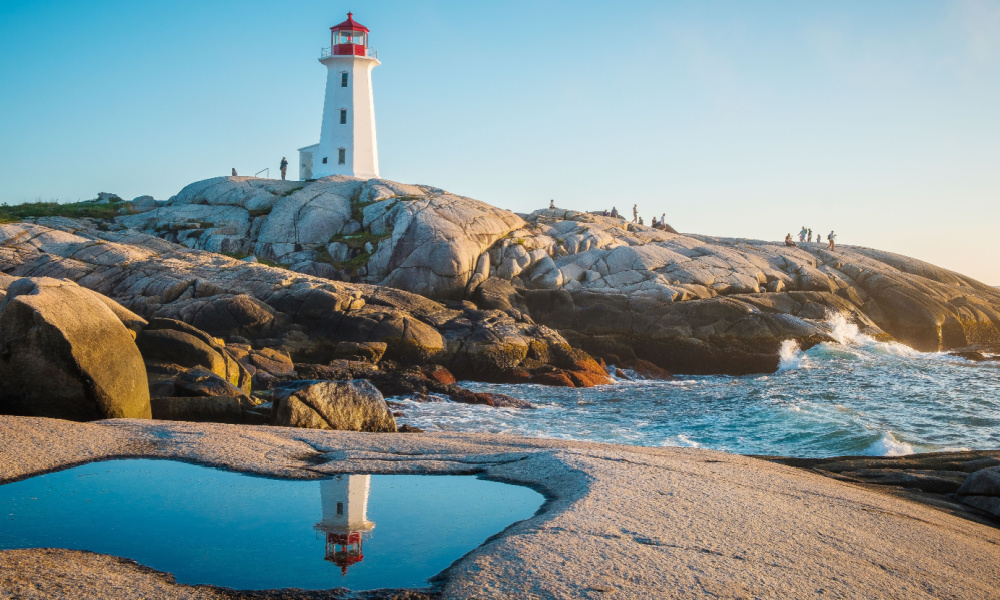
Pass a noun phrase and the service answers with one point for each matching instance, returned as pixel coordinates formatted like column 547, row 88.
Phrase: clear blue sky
column 880, row 120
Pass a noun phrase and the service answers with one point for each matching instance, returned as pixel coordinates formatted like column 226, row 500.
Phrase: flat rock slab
column 620, row 521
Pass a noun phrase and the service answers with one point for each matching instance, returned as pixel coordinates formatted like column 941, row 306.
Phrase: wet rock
column 438, row 374
column 647, row 370
column 347, row 405
column 489, row 399
column 65, row 354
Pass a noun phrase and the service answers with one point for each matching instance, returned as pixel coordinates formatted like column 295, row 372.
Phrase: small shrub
column 519, row 241
column 74, row 210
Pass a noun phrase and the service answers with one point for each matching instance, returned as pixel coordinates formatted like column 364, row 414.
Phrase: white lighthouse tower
column 345, row 518
column 347, row 143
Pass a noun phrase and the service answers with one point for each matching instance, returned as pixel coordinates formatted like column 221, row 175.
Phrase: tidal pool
column 209, row 526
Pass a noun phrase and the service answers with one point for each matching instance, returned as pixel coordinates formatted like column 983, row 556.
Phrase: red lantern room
column 349, row 38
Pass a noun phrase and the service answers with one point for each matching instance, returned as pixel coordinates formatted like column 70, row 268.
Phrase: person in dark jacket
column 284, row 167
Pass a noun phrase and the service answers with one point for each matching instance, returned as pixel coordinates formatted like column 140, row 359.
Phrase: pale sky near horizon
column 878, row 120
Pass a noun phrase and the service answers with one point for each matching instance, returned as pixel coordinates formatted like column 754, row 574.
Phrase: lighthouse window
column 343, row 116
column 343, row 80
column 340, row 508
column 342, row 156
column 324, row 160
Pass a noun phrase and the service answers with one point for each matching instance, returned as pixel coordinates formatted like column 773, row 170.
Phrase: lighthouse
column 347, row 143
column 345, row 521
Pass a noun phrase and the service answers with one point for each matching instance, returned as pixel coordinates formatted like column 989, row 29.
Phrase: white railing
column 327, row 53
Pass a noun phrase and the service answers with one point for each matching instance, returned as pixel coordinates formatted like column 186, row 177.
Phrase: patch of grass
column 353, row 264
column 75, row 210
column 292, row 190
column 519, row 241
column 261, row 212
column 236, row 255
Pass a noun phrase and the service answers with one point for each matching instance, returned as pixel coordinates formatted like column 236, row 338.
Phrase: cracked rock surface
column 622, row 291
column 620, row 522
column 305, row 316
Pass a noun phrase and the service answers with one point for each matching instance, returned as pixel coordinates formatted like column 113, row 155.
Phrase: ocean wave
column 789, row 355
column 888, row 445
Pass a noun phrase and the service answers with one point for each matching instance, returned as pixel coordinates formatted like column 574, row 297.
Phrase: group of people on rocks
column 661, row 224
column 806, row 235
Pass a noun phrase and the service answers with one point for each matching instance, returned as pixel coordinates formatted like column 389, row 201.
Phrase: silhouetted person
column 284, row 167
column 614, row 212
column 635, row 213
column 234, row 171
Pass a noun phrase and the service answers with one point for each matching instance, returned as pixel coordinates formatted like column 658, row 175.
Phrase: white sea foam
column 847, row 333
column 888, row 445
column 681, row 440
column 789, row 355
column 844, row 331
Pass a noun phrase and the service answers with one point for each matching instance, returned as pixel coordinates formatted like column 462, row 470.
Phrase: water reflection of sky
column 210, row 526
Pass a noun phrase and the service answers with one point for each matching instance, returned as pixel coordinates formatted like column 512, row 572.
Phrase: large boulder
column 65, row 354
column 348, row 405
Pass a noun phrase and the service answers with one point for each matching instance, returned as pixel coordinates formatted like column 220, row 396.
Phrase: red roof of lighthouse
column 350, row 25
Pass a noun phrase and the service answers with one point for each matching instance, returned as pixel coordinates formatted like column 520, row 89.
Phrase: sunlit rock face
column 623, row 291
column 311, row 319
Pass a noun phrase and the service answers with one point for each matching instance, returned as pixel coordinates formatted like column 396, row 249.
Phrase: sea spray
column 843, row 331
column 847, row 333
column 888, row 445
column 789, row 356
column 841, row 400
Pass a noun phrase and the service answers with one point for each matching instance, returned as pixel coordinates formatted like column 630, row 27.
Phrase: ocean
column 857, row 396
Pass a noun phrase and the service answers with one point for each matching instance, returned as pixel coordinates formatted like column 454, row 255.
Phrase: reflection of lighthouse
column 345, row 502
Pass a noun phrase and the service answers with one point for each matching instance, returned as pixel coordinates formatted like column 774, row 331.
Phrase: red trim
column 349, row 49
column 350, row 25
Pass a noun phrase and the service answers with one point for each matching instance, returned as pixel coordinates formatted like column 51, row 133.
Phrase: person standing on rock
column 831, row 237
column 283, row 167
column 614, row 212
column 234, row 171
column 552, row 203
column 802, row 234
column 635, row 213
column 663, row 221
column 809, row 235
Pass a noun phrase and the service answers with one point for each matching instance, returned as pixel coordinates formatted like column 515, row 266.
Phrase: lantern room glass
column 358, row 38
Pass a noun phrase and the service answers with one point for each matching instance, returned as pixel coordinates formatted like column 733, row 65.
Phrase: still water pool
column 210, row 526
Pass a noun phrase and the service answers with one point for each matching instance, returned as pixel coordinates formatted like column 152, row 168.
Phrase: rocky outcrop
column 345, row 405
column 418, row 238
column 265, row 307
column 964, row 483
column 623, row 291
column 64, row 353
